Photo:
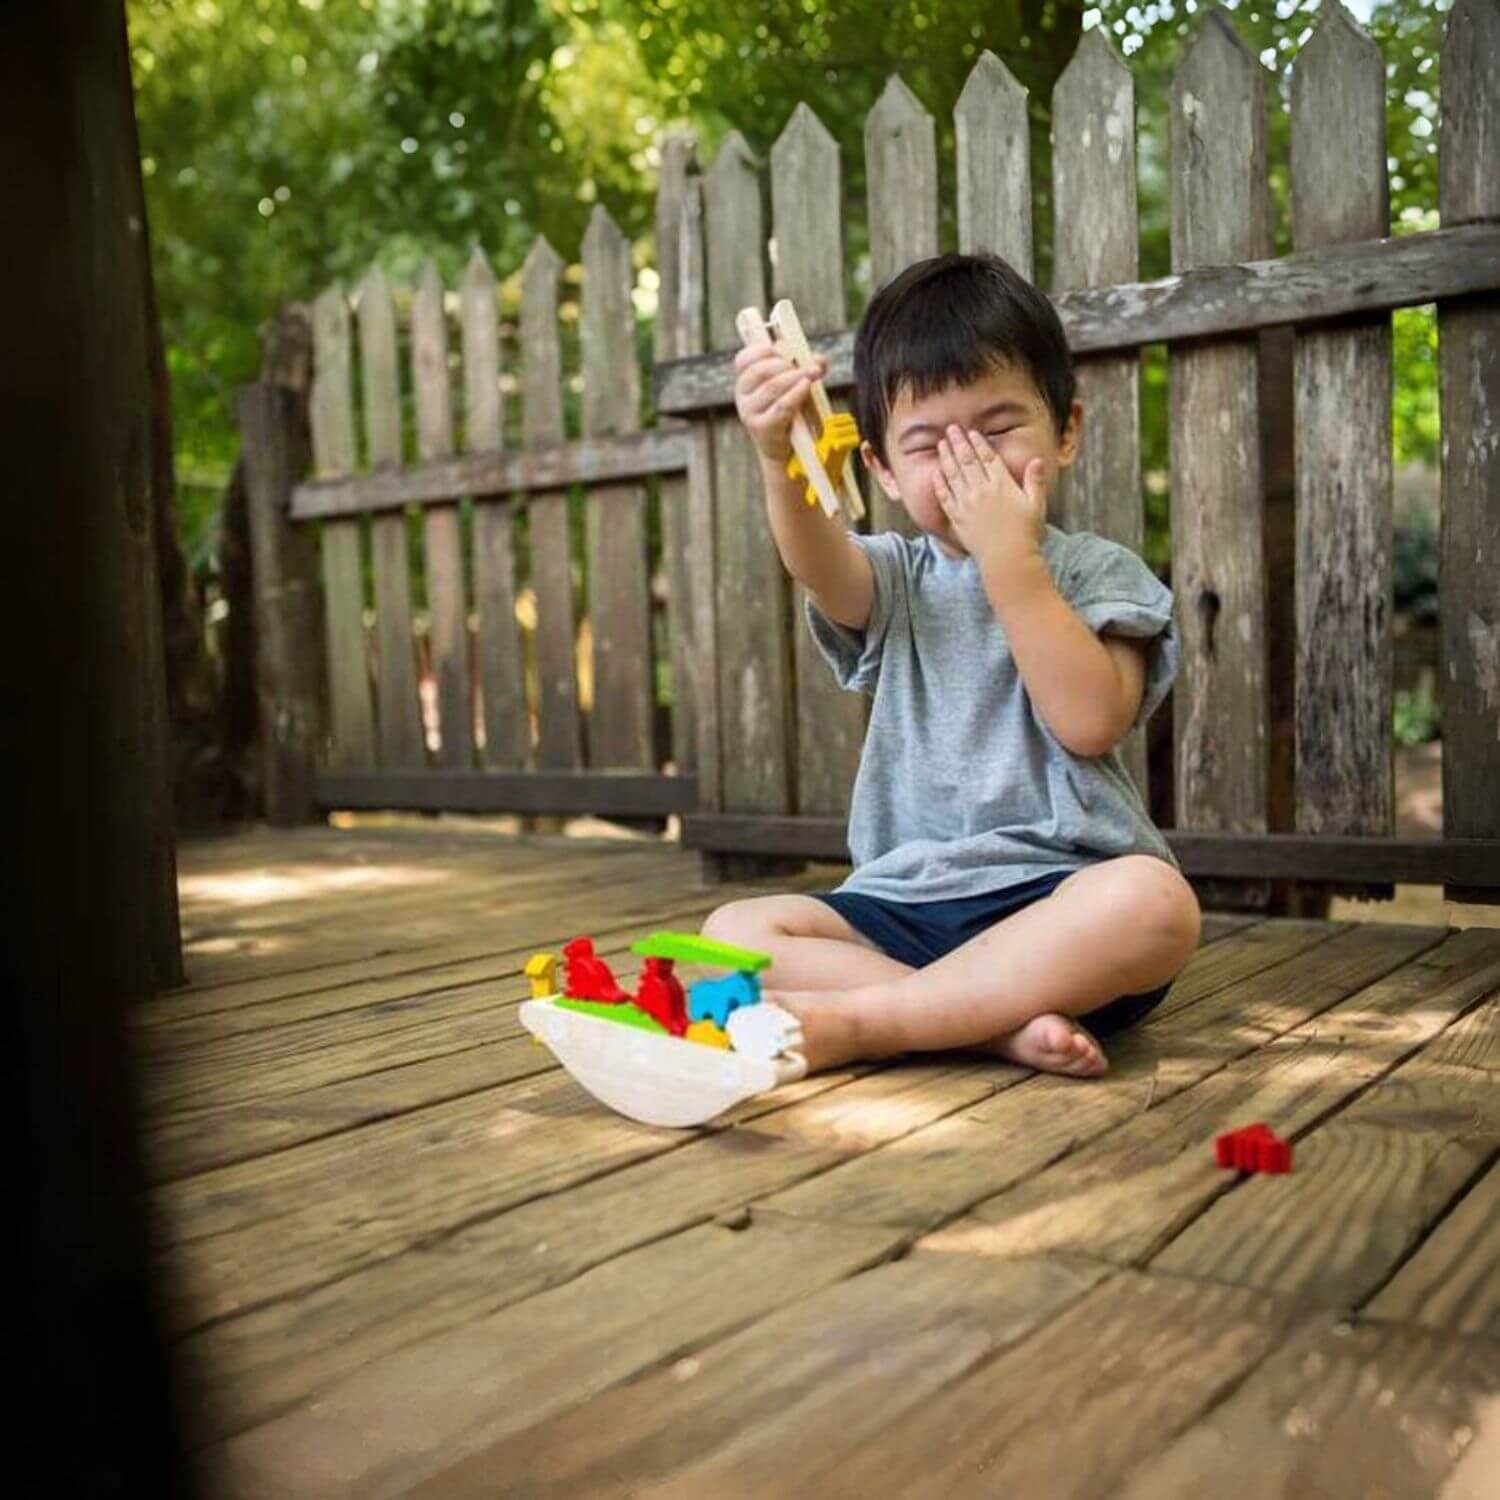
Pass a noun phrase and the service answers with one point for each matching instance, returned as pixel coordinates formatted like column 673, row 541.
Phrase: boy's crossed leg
column 1119, row 927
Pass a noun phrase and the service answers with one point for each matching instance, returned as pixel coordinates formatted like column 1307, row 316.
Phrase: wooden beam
column 603, row 793
column 598, row 460
column 1311, row 857
column 1362, row 277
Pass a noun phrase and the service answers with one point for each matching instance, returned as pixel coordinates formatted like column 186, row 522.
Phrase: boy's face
column 1004, row 405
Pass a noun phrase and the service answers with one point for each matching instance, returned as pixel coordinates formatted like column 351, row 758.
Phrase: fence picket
column 1342, row 394
column 678, row 332
column 755, row 680
column 560, row 740
column 807, row 223
column 1094, row 244
column 497, row 644
column 399, row 720
column 902, row 190
column 993, row 141
column 331, row 412
column 1218, row 163
column 622, row 722
column 1469, row 390
column 447, row 601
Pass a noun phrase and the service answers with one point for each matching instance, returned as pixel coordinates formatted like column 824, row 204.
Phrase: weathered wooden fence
column 764, row 745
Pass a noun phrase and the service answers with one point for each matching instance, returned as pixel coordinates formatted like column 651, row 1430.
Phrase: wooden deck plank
column 1453, row 1280
column 1126, row 1196
column 732, row 1418
column 943, row 1171
column 387, row 1425
column 1366, row 1410
column 1369, row 1180
column 1064, row 1413
column 289, row 1350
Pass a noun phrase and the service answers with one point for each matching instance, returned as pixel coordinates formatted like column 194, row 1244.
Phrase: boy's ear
column 1072, row 436
column 873, row 465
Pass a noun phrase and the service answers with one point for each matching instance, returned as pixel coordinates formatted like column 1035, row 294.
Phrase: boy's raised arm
column 816, row 549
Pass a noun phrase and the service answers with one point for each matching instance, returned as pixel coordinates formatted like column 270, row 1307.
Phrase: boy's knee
column 737, row 922
column 1169, row 906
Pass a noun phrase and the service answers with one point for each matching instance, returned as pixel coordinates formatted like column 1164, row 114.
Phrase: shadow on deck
column 408, row 1256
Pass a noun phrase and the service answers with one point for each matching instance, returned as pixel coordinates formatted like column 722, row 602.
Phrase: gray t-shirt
column 962, row 788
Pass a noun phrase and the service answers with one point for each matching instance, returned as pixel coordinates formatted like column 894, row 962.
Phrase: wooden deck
column 408, row 1256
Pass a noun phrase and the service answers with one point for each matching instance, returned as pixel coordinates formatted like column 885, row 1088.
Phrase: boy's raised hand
column 996, row 519
column 769, row 391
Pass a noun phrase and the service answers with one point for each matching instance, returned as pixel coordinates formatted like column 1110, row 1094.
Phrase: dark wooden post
column 288, row 601
column 91, row 919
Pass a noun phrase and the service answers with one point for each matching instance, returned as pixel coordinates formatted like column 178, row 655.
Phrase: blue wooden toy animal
column 714, row 999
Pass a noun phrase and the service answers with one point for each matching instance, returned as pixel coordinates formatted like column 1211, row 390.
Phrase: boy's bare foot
column 1053, row 1044
column 830, row 1036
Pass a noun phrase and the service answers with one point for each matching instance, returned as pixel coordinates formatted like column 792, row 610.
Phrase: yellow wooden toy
column 541, row 970
column 707, row 1033
column 822, row 459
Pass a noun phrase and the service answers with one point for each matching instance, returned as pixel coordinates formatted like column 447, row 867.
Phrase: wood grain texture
column 901, row 185
column 1218, row 159
column 447, row 589
column 1345, row 1410
column 1469, row 392
column 1094, row 192
column 621, row 720
column 678, row 331
column 398, row 720
column 331, row 409
column 1241, row 297
column 520, row 1365
column 1345, row 766
column 497, row 642
column 559, row 728
column 1452, row 1282
column 807, row 223
column 993, row 139
column 729, row 1419
column 756, row 704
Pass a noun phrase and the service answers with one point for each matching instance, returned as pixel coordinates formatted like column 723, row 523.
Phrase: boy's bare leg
column 1115, row 928
column 811, row 946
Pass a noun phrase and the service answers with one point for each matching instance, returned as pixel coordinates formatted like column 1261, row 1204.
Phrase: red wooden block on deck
column 1253, row 1148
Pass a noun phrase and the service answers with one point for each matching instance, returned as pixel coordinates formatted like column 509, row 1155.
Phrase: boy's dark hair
column 949, row 321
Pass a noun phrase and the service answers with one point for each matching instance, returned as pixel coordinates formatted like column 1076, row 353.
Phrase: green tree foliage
column 287, row 143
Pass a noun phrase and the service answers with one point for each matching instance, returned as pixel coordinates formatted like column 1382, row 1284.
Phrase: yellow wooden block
column 707, row 1033
column 541, row 970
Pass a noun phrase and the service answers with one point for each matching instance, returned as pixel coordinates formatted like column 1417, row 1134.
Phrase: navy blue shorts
column 919, row 932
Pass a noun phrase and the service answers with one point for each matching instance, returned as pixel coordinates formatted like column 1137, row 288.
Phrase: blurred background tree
column 289, row 143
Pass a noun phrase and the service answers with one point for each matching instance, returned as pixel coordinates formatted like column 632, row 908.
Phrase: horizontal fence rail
column 1305, row 289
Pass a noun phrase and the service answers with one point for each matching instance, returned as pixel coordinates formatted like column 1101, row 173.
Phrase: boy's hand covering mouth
column 996, row 519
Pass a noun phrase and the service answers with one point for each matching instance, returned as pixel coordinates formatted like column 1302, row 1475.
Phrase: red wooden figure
column 661, row 996
column 588, row 977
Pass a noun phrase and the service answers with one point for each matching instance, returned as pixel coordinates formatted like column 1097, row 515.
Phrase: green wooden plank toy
column 689, row 948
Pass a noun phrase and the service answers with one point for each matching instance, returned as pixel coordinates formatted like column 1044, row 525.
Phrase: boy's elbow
column 1092, row 742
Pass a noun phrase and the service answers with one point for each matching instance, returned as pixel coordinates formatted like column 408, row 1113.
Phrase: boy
column 1007, row 876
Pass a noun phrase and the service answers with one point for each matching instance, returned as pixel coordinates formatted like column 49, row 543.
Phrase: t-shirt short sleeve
column 1115, row 593
column 854, row 655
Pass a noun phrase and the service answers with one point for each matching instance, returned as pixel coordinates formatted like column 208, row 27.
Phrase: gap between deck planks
column 270, row 1357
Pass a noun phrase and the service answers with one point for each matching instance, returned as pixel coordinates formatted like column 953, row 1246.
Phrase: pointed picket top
column 804, row 132
column 603, row 235
column 1469, row 66
column 994, row 164
column 331, row 402
column 735, row 237
column 541, row 261
column 1218, row 150
column 679, row 164
column 429, row 364
column 1340, row 187
column 376, row 315
column 479, row 338
column 896, row 108
column 1094, row 169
